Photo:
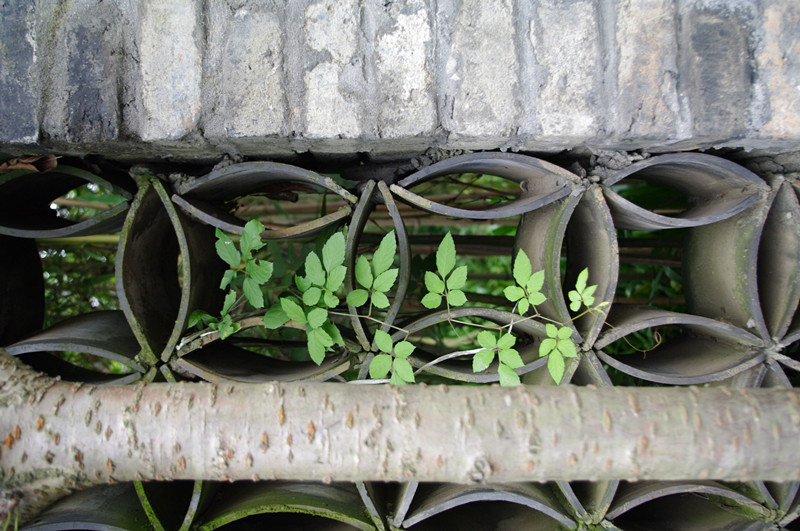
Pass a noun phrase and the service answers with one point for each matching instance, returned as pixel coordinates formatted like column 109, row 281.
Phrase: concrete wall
column 186, row 79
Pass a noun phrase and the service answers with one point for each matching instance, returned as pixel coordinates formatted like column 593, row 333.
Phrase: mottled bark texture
column 60, row 436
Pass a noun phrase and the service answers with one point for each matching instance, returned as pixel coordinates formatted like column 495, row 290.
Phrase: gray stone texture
column 187, row 79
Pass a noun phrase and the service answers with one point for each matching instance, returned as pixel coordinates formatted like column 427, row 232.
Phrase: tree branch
column 61, row 436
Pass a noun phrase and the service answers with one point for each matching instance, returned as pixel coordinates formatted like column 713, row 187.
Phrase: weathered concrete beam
column 149, row 79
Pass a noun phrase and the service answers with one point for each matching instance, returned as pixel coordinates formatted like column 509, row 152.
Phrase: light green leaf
column 252, row 292
column 227, row 277
column 331, row 300
column 227, row 250
column 314, row 271
column 403, row 349
column 261, row 272
column 508, row 378
column 275, row 318
column 522, row 268
column 384, row 255
column 482, row 360
column 535, row 283
column 575, row 297
column 322, row 336
column 363, row 272
column 536, row 299
column 379, row 366
column 312, row 296
column 333, row 252
column 230, row 298
column 564, row 332
column 583, row 277
column 434, row 283
column 199, row 316
column 317, row 317
column 522, row 306
column 315, row 348
column 567, row 348
column 589, row 291
column 446, row 255
column 334, row 332
column 457, row 278
column 385, row 280
column 357, row 297
column 380, row 300
column 547, row 346
column 293, row 310
column 403, row 369
column 227, row 327
column 456, row 298
column 556, row 366
column 251, row 237
column 335, row 278
column 486, row 339
column 511, row 358
column 396, row 380
column 506, row 341
column 551, row 329
column 513, row 293
column 383, row 341
column 432, row 301
column 302, row 283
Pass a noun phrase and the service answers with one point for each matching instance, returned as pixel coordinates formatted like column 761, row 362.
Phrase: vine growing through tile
column 316, row 296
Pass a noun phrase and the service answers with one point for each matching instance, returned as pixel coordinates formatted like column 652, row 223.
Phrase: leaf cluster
column 527, row 293
column 448, row 284
column 508, row 358
column 317, row 289
column 391, row 357
column 376, row 277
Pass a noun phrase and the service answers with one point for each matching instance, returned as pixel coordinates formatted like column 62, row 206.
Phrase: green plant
column 316, row 297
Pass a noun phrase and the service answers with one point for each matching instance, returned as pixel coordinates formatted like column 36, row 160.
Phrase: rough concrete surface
column 185, row 79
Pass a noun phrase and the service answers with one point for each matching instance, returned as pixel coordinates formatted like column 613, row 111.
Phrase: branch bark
column 58, row 437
